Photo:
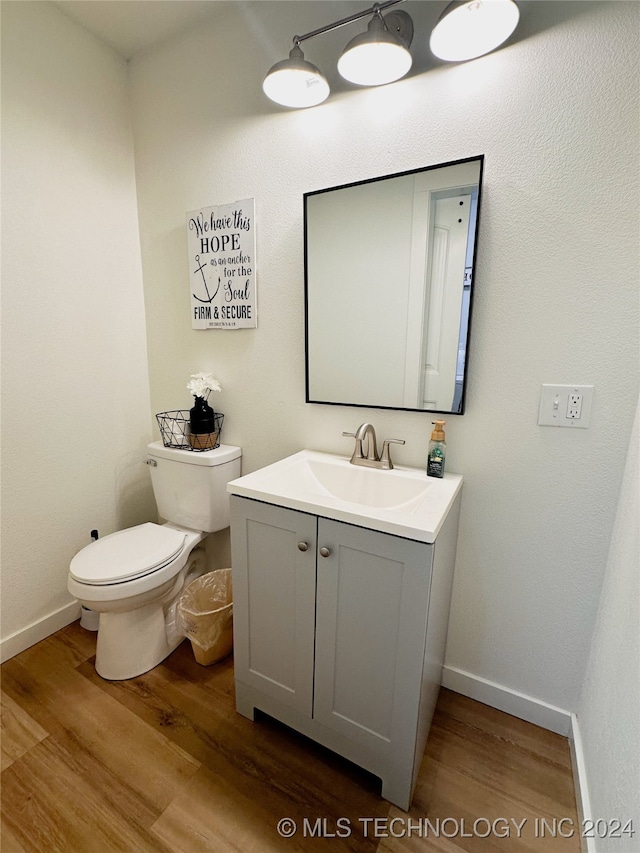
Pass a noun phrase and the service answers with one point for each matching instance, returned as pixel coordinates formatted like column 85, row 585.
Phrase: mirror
column 388, row 284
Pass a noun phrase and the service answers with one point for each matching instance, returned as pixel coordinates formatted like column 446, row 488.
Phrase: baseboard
column 25, row 637
column 507, row 700
column 579, row 766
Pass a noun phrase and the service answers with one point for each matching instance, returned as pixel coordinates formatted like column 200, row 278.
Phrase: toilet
column 133, row 578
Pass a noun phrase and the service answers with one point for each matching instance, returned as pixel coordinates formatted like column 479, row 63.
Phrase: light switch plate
column 565, row 406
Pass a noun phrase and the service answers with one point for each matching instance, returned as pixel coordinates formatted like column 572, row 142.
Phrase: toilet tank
column 190, row 487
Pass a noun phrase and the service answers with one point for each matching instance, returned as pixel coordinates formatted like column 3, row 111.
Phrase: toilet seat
column 127, row 554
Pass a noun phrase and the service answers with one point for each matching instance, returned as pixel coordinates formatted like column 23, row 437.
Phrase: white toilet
column 133, row 578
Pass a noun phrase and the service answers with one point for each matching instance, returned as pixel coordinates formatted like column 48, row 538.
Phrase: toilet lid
column 127, row 554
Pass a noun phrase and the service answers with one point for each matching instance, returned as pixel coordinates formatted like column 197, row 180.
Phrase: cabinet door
column 274, row 600
column 372, row 602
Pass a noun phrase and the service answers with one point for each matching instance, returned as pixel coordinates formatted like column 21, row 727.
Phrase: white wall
column 556, row 282
column 75, row 399
column 608, row 711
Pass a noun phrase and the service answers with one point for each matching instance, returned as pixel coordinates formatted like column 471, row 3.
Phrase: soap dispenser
column 437, row 451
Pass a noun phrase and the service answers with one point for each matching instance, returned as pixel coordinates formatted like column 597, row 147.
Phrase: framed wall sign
column 222, row 266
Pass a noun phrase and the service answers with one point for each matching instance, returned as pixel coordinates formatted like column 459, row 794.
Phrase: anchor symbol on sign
column 200, row 270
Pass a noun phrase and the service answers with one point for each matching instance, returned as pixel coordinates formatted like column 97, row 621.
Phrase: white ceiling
column 130, row 26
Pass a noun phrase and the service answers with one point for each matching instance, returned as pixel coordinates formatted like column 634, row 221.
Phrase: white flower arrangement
column 202, row 383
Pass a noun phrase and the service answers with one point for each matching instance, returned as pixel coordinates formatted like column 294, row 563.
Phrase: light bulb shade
column 470, row 29
column 375, row 57
column 294, row 82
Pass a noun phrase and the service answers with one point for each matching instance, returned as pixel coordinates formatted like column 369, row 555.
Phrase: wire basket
column 176, row 432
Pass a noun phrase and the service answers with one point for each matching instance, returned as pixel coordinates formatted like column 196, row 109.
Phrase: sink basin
column 403, row 501
column 361, row 485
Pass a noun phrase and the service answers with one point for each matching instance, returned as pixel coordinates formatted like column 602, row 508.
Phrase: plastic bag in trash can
column 205, row 616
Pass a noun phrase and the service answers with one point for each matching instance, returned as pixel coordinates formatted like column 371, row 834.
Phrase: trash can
column 205, row 616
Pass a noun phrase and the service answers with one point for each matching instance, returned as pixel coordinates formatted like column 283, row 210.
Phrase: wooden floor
column 164, row 763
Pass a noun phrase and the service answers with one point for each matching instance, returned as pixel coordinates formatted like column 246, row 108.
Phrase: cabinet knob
column 302, row 546
column 324, row 552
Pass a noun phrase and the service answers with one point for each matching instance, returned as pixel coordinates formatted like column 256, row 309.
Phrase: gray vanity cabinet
column 274, row 593
column 339, row 632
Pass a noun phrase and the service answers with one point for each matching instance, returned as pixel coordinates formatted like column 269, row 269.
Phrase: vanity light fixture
column 472, row 28
column 381, row 55
column 294, row 82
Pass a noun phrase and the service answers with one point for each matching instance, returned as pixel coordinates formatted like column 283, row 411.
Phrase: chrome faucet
column 366, row 432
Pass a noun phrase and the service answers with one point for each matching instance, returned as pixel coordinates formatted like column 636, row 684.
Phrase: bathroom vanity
column 342, row 584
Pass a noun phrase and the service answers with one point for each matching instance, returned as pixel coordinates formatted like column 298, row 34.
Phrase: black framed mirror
column 388, row 288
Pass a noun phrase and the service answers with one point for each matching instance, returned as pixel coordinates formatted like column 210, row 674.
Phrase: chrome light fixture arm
column 373, row 10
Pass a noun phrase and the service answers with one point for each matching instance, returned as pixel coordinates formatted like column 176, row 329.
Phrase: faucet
column 371, row 460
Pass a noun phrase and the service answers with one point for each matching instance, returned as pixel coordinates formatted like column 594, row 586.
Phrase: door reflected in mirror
column 388, row 288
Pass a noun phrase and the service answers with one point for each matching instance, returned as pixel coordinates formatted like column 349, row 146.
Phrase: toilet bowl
column 134, row 577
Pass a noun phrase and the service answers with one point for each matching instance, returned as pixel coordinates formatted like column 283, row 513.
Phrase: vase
column 202, row 433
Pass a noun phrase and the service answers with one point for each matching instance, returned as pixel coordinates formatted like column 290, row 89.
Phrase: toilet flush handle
column 151, row 462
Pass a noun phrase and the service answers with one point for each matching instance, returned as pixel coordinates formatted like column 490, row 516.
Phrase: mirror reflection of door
column 442, row 244
column 445, row 288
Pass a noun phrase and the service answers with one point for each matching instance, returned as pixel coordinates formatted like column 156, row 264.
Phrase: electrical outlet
column 574, row 406
column 565, row 405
